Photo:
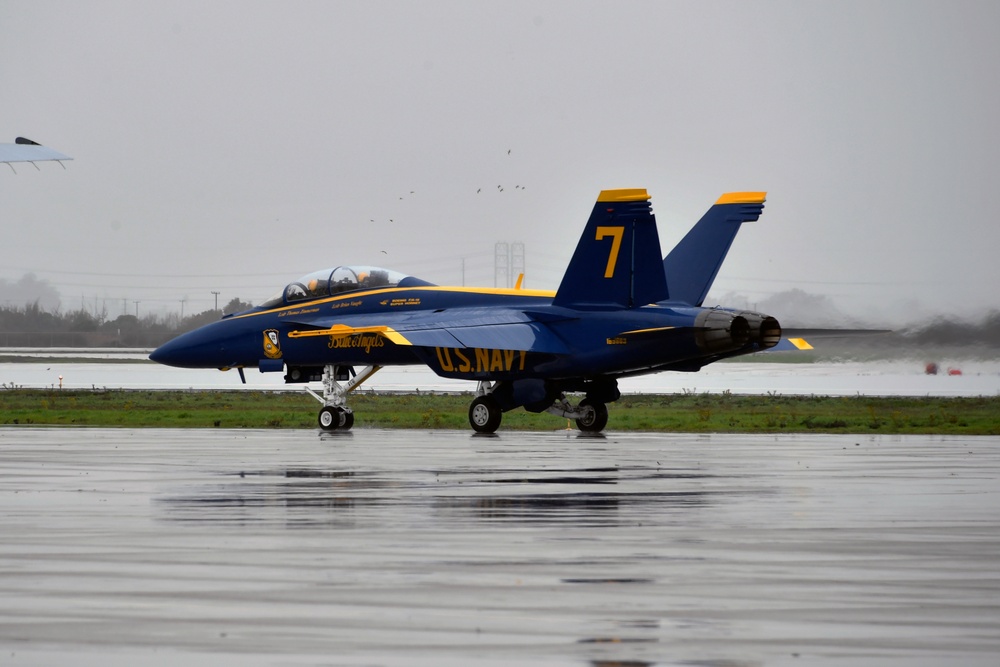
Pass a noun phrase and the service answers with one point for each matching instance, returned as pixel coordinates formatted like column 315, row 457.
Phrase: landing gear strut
column 335, row 415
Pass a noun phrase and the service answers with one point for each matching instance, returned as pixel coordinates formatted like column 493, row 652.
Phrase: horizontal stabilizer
column 795, row 339
column 692, row 265
column 834, row 333
column 786, row 344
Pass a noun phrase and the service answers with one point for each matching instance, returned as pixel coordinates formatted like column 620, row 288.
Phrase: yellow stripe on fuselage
column 642, row 331
column 343, row 331
column 742, row 198
column 488, row 290
column 349, row 296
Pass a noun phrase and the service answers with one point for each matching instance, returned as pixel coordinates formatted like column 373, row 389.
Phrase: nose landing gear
column 335, row 415
column 335, row 419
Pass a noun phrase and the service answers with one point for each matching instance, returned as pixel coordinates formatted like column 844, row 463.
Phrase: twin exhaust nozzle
column 725, row 331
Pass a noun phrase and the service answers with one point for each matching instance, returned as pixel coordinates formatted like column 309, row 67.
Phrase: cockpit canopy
column 331, row 282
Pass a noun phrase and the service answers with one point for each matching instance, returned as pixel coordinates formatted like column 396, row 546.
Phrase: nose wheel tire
column 335, row 419
column 485, row 414
column 595, row 416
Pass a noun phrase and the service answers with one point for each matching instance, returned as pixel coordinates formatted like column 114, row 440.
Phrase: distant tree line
column 40, row 322
column 34, row 326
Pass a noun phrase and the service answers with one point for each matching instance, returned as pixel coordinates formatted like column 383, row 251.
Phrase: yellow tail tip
column 742, row 198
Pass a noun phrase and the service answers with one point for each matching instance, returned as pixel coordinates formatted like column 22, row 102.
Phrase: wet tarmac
column 208, row 547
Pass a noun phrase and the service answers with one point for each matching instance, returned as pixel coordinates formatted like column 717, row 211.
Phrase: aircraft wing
column 493, row 328
column 26, row 150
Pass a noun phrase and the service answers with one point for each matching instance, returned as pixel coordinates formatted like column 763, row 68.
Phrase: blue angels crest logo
column 272, row 348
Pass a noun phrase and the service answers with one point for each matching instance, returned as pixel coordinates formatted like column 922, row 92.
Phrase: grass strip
column 688, row 413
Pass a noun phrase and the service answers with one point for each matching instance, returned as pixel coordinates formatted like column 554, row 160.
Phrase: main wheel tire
column 595, row 416
column 348, row 421
column 485, row 414
column 331, row 418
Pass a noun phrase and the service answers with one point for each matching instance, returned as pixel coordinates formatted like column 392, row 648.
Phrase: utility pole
column 216, row 299
column 136, row 309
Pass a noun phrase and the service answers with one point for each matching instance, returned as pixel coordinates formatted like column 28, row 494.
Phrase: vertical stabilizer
column 617, row 261
column 692, row 265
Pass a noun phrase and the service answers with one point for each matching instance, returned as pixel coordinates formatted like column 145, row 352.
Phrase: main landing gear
column 485, row 413
column 335, row 415
column 591, row 416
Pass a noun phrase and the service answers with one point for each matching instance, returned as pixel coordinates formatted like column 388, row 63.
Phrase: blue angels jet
column 621, row 310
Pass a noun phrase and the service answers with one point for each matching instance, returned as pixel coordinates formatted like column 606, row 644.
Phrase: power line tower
column 501, row 264
column 516, row 262
column 508, row 263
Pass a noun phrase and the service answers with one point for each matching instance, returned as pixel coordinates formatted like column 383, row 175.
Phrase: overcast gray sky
column 232, row 146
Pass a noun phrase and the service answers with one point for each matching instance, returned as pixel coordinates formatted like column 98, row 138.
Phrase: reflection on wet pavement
column 452, row 496
column 431, row 548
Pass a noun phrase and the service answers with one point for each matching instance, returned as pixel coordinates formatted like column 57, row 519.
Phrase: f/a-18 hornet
column 621, row 310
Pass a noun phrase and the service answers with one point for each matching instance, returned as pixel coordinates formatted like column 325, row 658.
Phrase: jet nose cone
column 207, row 347
column 169, row 354
column 221, row 344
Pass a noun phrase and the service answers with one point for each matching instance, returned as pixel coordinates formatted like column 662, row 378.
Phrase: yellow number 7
column 616, row 234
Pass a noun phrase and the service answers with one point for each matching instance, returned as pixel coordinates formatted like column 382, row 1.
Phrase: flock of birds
column 499, row 189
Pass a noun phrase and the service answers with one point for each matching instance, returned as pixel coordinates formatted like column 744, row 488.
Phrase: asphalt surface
column 208, row 547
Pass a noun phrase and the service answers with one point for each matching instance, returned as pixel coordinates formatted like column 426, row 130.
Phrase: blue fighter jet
column 621, row 310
